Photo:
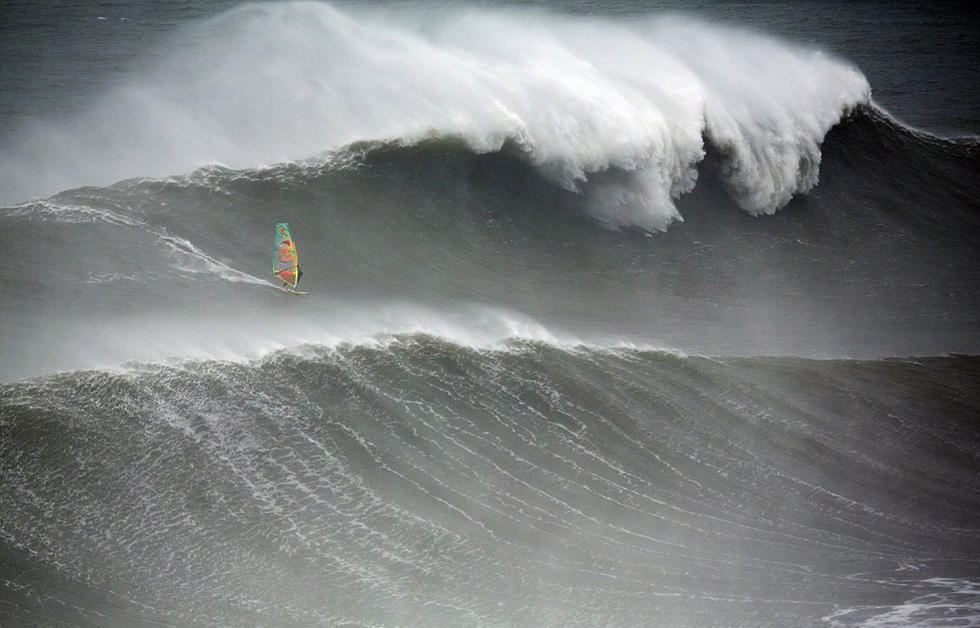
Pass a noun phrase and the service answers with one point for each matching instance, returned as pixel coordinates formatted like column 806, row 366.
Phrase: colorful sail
column 285, row 262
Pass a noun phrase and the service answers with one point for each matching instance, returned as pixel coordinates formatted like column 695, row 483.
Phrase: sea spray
column 577, row 96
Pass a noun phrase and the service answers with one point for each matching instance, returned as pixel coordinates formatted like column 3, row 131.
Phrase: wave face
column 418, row 482
column 609, row 319
column 435, row 237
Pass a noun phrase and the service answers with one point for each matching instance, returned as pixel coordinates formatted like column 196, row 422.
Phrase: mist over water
column 576, row 96
column 614, row 316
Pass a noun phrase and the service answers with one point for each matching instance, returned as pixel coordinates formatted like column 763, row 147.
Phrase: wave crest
column 578, row 96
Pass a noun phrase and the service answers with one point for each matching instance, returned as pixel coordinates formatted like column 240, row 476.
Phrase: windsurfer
column 285, row 263
column 288, row 262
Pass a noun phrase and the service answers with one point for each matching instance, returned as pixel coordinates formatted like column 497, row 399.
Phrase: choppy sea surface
column 619, row 314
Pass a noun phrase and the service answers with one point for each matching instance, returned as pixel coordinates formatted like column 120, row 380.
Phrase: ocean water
column 619, row 314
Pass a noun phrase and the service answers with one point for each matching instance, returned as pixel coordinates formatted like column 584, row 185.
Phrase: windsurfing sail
column 285, row 261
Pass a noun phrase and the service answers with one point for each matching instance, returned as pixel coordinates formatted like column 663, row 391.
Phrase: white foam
column 940, row 602
column 68, row 213
column 190, row 259
column 264, row 328
column 268, row 82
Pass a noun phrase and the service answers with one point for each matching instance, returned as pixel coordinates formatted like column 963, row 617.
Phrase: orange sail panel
column 285, row 261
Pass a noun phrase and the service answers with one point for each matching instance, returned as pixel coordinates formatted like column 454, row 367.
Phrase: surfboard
column 285, row 258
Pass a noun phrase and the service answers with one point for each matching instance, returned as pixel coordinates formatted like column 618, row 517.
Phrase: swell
column 876, row 260
column 421, row 481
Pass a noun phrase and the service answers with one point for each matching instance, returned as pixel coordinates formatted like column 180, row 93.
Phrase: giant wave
column 562, row 362
column 418, row 481
column 577, row 96
column 435, row 236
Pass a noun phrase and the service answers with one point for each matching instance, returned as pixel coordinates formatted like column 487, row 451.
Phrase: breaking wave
column 575, row 96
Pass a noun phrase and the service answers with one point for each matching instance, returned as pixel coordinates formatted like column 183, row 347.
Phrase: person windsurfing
column 288, row 264
column 285, row 266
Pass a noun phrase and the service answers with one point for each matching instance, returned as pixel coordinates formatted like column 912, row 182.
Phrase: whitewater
column 617, row 316
column 575, row 99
